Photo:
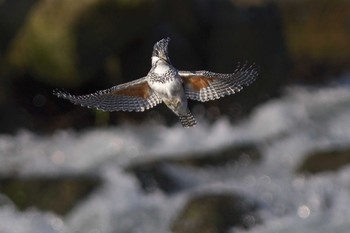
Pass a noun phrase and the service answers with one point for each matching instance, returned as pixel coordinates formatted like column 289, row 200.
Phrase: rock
column 323, row 161
column 217, row 213
column 233, row 39
column 159, row 173
column 226, row 156
column 58, row 194
column 81, row 44
column 111, row 41
column 44, row 46
column 317, row 36
column 12, row 17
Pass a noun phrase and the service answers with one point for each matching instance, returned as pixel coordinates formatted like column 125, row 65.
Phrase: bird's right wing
column 132, row 96
column 205, row 85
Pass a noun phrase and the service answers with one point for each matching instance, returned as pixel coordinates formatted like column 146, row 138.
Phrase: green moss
column 45, row 45
column 52, row 194
column 214, row 213
column 59, row 36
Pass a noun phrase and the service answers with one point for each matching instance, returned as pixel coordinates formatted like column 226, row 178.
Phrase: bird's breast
column 167, row 89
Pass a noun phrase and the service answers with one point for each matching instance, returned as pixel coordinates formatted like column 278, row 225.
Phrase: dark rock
column 317, row 37
column 323, row 161
column 44, row 45
column 12, row 17
column 110, row 41
column 215, row 213
column 58, row 194
column 221, row 157
column 158, row 174
column 253, row 35
column 85, row 45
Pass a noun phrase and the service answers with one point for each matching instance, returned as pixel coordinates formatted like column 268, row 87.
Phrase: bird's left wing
column 205, row 85
column 132, row 96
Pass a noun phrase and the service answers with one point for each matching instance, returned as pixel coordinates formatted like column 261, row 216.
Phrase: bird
column 166, row 84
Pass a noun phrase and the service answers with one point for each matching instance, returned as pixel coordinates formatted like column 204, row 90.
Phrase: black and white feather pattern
column 187, row 120
column 205, row 85
column 132, row 96
column 167, row 83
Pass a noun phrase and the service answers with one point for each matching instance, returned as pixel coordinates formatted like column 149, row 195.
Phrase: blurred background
column 91, row 45
column 269, row 159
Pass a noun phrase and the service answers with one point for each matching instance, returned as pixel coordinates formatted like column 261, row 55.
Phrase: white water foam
column 285, row 130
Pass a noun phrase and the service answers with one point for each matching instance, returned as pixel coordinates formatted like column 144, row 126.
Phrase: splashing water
column 285, row 130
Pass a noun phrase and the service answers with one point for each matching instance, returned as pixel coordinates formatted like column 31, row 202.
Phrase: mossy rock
column 45, row 45
column 317, row 30
column 155, row 174
column 222, row 157
column 317, row 36
column 49, row 44
column 215, row 213
column 323, row 161
column 58, row 194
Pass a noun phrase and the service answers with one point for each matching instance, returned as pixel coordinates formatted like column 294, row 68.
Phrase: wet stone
column 323, row 161
column 217, row 213
column 57, row 194
column 158, row 174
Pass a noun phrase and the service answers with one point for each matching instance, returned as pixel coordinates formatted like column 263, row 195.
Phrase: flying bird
column 164, row 83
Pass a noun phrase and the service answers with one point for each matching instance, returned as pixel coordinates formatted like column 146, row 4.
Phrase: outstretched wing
column 132, row 96
column 205, row 85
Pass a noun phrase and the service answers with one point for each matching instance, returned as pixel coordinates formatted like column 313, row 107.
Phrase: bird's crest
column 160, row 49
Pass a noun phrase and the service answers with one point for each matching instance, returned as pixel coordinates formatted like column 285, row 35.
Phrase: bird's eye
column 155, row 53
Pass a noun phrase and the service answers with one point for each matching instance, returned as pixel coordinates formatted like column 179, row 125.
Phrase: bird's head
column 160, row 51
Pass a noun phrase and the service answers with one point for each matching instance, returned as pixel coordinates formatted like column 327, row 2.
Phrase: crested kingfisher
column 165, row 83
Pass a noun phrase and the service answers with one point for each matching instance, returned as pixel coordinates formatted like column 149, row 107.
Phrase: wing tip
column 247, row 73
column 61, row 93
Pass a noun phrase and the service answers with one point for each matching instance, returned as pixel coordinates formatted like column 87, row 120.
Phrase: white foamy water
column 284, row 129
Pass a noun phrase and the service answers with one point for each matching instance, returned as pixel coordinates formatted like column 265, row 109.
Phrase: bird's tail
column 187, row 120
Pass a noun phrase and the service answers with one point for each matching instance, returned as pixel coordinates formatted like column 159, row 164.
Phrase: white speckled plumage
column 164, row 83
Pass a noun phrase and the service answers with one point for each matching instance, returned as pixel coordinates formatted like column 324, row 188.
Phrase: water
column 286, row 129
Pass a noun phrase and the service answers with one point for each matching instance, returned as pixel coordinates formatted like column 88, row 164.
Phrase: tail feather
column 187, row 120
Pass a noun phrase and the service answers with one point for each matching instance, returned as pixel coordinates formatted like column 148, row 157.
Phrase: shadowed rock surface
column 215, row 213
column 157, row 174
column 323, row 161
column 58, row 194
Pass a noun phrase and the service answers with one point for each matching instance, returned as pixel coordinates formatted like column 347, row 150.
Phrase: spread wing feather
column 132, row 96
column 205, row 85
